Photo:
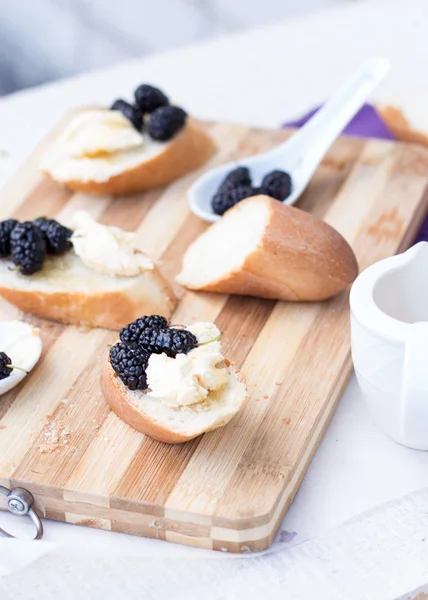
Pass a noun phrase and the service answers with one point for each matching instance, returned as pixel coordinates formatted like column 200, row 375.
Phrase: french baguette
column 152, row 417
column 67, row 291
column 136, row 171
column 400, row 126
column 264, row 248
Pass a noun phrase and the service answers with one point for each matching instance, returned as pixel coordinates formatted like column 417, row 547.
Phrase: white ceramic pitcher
column 389, row 337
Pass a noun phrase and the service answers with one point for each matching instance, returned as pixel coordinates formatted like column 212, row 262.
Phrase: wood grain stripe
column 47, row 199
column 84, row 406
column 49, row 385
column 281, row 435
column 331, row 176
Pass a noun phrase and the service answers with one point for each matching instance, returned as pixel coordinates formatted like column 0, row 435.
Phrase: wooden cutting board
column 227, row 490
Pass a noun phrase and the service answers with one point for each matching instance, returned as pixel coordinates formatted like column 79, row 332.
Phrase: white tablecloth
column 264, row 77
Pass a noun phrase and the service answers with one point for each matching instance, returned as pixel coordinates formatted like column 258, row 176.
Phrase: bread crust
column 187, row 151
column 299, row 258
column 400, row 127
column 119, row 400
column 109, row 309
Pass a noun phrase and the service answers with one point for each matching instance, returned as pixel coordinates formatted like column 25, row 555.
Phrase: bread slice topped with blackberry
column 128, row 148
column 93, row 276
column 172, row 383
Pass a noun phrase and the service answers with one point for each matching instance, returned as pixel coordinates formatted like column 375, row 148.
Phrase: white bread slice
column 171, row 425
column 67, row 291
column 264, row 248
column 136, row 170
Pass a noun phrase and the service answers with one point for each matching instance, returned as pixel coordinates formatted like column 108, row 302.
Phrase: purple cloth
column 366, row 123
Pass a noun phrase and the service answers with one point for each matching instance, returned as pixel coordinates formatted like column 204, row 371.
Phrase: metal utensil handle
column 20, row 502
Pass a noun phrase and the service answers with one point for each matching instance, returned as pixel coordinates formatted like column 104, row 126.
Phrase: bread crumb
column 277, row 383
column 265, row 396
column 47, row 448
column 54, row 438
column 286, row 421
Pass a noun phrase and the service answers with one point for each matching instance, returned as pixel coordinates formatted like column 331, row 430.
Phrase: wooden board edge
column 415, row 225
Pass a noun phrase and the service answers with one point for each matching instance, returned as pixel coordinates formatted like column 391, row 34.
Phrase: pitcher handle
column 414, row 405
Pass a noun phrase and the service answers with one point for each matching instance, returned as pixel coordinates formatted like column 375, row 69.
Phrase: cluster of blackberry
column 238, row 185
column 163, row 120
column 28, row 243
column 141, row 338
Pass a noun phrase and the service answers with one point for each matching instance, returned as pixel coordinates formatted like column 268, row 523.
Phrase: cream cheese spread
column 189, row 379
column 108, row 250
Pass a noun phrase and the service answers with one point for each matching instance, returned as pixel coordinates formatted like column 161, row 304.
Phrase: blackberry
column 130, row 364
column 170, row 341
column 222, row 201
column 237, row 178
column 276, row 184
column 132, row 332
column 133, row 113
column 57, row 237
column 165, row 122
column 28, row 247
column 5, row 366
column 149, row 98
column 5, row 231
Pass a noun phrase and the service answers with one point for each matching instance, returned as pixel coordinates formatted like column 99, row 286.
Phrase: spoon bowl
column 301, row 154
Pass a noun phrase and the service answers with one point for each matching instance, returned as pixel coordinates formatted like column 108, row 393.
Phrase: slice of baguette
column 171, row 425
column 400, row 126
column 65, row 290
column 264, row 248
column 136, row 170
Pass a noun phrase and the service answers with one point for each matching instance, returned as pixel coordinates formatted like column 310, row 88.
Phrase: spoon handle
column 312, row 141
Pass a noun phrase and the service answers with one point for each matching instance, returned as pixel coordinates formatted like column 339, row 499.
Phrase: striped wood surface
column 229, row 489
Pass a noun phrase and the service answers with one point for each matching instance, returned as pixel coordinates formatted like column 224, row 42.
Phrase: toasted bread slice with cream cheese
column 172, row 425
column 125, row 170
column 67, row 291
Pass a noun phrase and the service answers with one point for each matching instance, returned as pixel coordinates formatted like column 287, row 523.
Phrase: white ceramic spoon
column 302, row 153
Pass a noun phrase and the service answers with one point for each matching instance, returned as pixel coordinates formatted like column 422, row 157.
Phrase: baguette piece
column 67, row 291
column 153, row 165
column 168, row 424
column 400, row 126
column 264, row 248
